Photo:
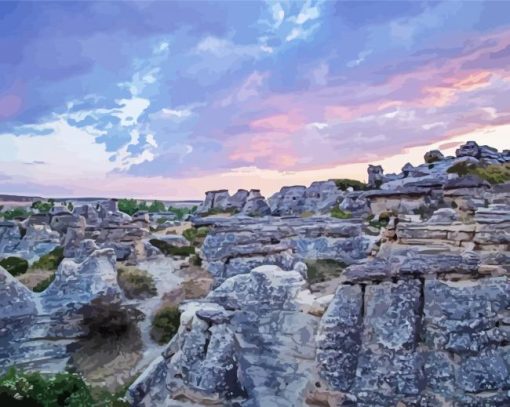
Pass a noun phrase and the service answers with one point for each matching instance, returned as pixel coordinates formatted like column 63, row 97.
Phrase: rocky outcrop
column 236, row 245
column 320, row 196
column 248, row 343
column 375, row 176
column 214, row 201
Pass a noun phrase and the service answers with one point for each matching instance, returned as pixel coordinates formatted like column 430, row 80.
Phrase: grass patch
column 49, row 261
column 494, row 174
column 344, row 183
column 340, row 214
column 43, row 285
column 136, row 283
column 323, row 270
column 165, row 324
column 14, row 265
column 171, row 250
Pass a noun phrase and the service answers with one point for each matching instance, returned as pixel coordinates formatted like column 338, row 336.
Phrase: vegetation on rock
column 50, row 261
column 63, row 389
column 165, row 324
column 195, row 235
column 14, row 265
column 171, row 250
column 44, row 284
column 136, row 283
column 323, row 270
column 494, row 174
column 344, row 183
column 340, row 214
column 15, row 213
column 42, row 207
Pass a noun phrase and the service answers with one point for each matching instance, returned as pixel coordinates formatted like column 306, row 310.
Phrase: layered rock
column 236, row 245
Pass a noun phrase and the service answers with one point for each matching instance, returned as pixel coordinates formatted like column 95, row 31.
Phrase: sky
column 168, row 99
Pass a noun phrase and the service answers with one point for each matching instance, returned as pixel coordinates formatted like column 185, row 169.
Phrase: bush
column 136, row 283
column 43, row 285
column 16, row 213
column 42, row 207
column 33, row 389
column 157, row 206
column 340, row 214
column 195, row 236
column 14, row 265
column 323, row 270
column 129, row 206
column 49, row 261
column 165, row 324
column 171, row 250
column 344, row 183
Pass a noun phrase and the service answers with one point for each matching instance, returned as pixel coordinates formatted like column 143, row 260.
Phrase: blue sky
column 169, row 99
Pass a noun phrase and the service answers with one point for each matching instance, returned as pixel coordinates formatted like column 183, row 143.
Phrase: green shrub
column 16, row 213
column 43, row 285
column 42, row 207
column 129, row 206
column 136, row 283
column 165, row 324
column 340, row 214
column 49, row 261
column 323, row 270
column 14, row 265
column 195, row 235
column 33, row 389
column 344, row 183
column 171, row 250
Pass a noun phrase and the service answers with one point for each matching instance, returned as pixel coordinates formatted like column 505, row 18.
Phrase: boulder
column 433, row 156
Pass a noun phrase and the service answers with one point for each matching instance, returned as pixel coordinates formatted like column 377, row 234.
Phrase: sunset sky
column 169, row 99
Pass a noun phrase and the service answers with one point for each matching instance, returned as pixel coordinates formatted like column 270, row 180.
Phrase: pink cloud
column 280, row 122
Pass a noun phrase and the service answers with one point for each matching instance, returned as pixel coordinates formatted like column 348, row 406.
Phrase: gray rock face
column 10, row 237
column 77, row 284
column 37, row 240
column 214, row 200
column 238, row 200
column 241, row 345
column 89, row 213
column 470, row 149
column 15, row 299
